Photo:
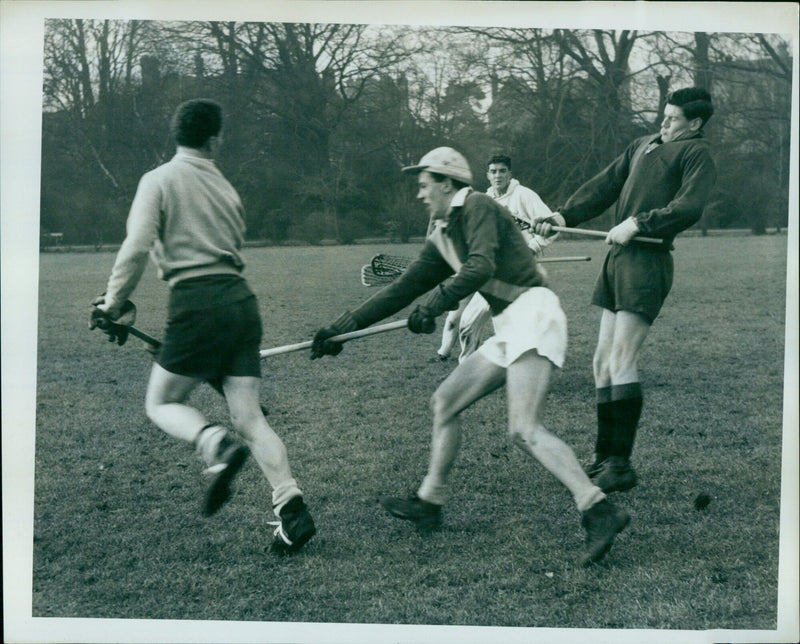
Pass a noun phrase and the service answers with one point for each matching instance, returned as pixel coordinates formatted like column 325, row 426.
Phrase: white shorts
column 534, row 320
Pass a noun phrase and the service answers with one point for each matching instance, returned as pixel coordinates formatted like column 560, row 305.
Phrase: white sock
column 284, row 493
column 207, row 442
column 589, row 497
column 433, row 491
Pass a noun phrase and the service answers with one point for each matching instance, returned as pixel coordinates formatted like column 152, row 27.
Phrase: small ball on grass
column 701, row 501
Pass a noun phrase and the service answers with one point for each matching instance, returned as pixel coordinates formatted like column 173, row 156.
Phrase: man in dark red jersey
column 659, row 187
column 475, row 246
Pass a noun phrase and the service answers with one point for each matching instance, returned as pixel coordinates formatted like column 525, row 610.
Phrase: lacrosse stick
column 352, row 335
column 149, row 339
column 524, row 225
column 380, row 271
column 383, row 269
column 394, row 265
column 368, row 277
column 600, row 233
column 551, row 260
column 389, row 265
column 103, row 322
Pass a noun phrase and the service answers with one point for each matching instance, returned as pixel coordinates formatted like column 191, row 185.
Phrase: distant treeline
column 320, row 118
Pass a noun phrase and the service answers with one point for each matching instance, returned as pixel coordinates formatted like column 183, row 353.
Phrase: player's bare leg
column 295, row 526
column 469, row 381
column 619, row 397
column 527, row 384
column 165, row 405
column 602, row 352
column 619, row 344
column 242, row 394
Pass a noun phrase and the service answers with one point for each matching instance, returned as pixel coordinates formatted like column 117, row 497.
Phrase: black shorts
column 214, row 342
column 634, row 279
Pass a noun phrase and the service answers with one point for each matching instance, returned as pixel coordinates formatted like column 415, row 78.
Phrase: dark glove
column 438, row 301
column 115, row 328
column 322, row 346
column 421, row 322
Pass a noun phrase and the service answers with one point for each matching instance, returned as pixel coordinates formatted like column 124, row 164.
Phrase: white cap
column 446, row 161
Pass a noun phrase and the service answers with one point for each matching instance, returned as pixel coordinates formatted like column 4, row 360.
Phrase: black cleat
column 294, row 529
column 231, row 456
column 602, row 522
column 616, row 475
column 426, row 515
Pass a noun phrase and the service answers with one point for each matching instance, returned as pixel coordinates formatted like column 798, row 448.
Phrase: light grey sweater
column 525, row 205
column 188, row 218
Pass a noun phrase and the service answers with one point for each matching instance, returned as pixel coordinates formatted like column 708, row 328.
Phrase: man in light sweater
column 190, row 220
column 473, row 320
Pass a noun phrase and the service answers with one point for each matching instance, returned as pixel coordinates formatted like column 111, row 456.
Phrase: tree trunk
column 87, row 94
column 702, row 66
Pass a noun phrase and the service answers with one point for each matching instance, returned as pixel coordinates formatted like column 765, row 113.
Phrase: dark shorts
column 214, row 342
column 634, row 279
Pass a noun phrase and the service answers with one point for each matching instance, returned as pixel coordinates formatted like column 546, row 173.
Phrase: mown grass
column 118, row 531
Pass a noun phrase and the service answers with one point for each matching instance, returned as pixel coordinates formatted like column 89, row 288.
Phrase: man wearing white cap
column 472, row 320
column 476, row 243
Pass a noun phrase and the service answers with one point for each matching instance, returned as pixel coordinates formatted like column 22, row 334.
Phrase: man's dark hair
column 196, row 121
column 438, row 178
column 694, row 101
column 499, row 158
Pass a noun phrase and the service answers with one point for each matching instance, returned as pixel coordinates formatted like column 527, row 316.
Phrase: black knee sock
column 605, row 424
column 627, row 409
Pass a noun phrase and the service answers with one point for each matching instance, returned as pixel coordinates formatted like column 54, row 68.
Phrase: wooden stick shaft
column 352, row 335
column 143, row 336
column 600, row 233
column 582, row 258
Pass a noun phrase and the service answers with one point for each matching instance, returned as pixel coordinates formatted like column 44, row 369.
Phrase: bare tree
column 89, row 73
column 307, row 78
column 319, row 117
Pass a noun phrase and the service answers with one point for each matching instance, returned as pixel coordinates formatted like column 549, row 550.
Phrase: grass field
column 118, row 532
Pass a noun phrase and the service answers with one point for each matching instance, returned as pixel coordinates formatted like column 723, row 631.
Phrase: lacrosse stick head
column 383, row 269
column 370, row 278
column 389, row 265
